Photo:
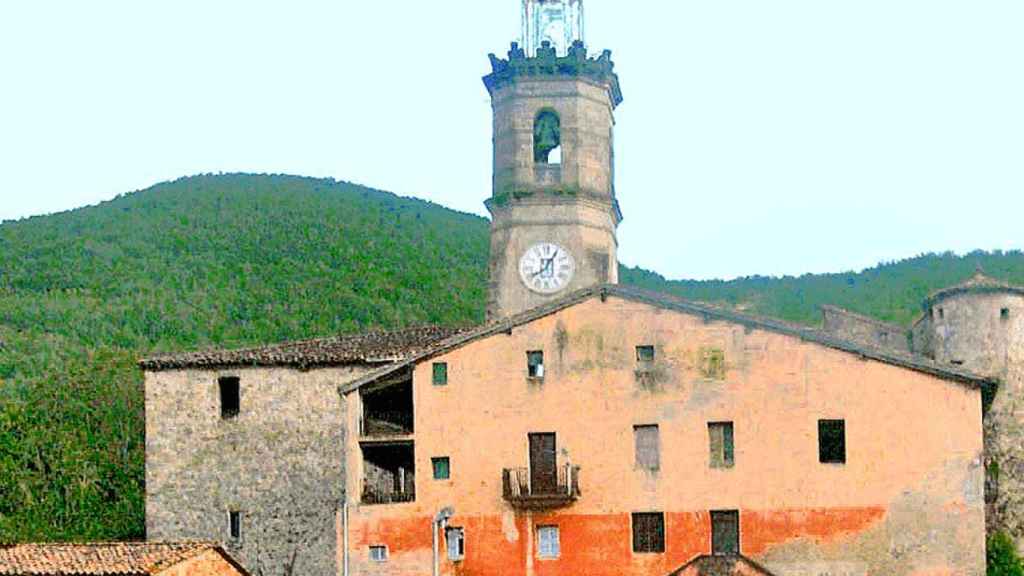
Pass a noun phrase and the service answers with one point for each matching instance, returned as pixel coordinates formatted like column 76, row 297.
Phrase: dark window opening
column 388, row 474
column 235, row 524
column 456, row 540
column 547, row 138
column 648, row 447
column 722, row 448
column 442, row 468
column 230, row 396
column 649, row 532
column 645, row 354
column 440, row 373
column 883, row 337
column 957, row 362
column 387, row 411
column 535, row 364
column 832, row 441
column 1004, row 314
column 942, row 313
column 725, row 532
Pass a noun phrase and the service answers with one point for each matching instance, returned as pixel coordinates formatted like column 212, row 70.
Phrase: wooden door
column 543, row 471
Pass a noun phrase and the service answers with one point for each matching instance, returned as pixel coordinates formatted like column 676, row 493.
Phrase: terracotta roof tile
column 366, row 348
column 98, row 559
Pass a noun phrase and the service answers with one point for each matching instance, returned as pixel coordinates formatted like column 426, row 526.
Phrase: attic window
column 645, row 353
column 1004, row 314
column 230, row 397
column 535, row 364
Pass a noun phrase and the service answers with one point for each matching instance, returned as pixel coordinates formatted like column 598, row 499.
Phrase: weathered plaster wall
column 279, row 463
column 969, row 328
column 909, row 500
column 845, row 324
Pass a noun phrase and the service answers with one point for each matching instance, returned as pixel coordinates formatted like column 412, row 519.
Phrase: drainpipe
column 344, row 534
column 439, row 522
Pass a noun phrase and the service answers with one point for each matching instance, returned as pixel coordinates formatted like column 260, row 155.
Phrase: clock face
column 546, row 268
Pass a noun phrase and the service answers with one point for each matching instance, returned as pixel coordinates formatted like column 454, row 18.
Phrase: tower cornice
column 547, row 63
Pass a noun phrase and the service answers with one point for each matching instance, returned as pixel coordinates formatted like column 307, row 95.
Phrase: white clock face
column 546, row 268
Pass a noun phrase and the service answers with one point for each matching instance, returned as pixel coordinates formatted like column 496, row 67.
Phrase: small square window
column 230, row 396
column 440, row 373
column 712, row 363
column 722, row 448
column 535, row 364
column 832, row 441
column 649, row 532
column 549, row 545
column 442, row 468
column 456, row 539
column 1004, row 314
column 645, row 353
column 379, row 553
column 235, row 524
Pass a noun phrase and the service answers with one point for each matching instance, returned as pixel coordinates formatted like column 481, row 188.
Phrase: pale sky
column 756, row 137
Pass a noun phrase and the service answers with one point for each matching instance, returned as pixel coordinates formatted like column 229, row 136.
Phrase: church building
column 585, row 427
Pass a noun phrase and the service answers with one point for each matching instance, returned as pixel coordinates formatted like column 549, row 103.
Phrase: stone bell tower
column 553, row 207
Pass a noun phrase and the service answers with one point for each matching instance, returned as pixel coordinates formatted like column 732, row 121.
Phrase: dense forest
column 229, row 260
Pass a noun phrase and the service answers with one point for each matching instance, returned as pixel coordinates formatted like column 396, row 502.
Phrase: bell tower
column 553, row 210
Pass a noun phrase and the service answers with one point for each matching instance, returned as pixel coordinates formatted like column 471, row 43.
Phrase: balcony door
column 543, row 472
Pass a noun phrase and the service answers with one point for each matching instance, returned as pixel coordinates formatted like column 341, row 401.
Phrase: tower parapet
column 547, row 63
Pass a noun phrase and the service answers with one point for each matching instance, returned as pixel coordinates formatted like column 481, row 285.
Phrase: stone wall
column 970, row 329
column 279, row 463
column 863, row 329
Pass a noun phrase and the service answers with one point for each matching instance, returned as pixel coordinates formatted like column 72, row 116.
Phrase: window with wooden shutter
column 722, row 448
column 648, row 447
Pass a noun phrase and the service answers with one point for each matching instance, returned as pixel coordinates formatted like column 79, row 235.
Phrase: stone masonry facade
column 277, row 464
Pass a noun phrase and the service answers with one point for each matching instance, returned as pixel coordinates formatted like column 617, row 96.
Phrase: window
column 379, row 553
column 442, row 468
column 883, row 337
column 235, row 524
column 547, row 138
column 645, row 353
column 440, row 373
column 712, row 363
column 832, row 441
column 1004, row 314
column 230, row 397
column 942, row 313
column 722, row 449
column 725, row 532
column 548, row 542
column 535, row 364
column 456, row 539
column 649, row 532
column 648, row 449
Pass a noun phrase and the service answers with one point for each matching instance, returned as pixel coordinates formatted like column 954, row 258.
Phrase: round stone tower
column 553, row 207
column 979, row 325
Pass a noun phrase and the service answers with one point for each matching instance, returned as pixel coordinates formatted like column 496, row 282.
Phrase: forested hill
column 230, row 260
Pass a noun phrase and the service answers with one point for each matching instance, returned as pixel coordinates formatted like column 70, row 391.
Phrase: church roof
column 101, row 559
column 978, row 284
column 375, row 347
column 660, row 300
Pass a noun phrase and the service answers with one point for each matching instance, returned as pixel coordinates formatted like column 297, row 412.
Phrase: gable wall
column 908, row 501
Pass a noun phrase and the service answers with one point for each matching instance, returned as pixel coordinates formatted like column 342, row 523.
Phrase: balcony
column 377, row 423
column 538, row 491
